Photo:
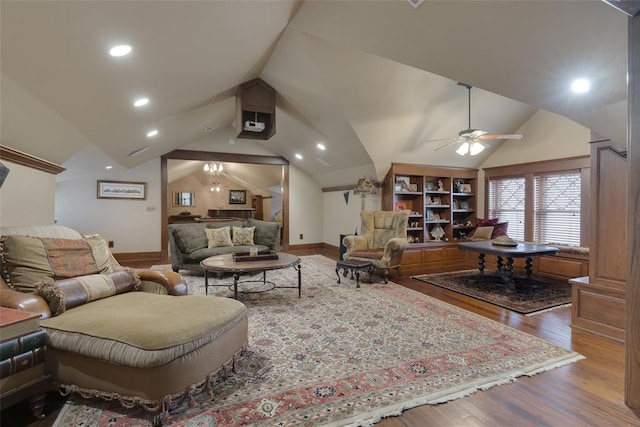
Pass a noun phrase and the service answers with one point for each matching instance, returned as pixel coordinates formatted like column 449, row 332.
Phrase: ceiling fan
column 472, row 140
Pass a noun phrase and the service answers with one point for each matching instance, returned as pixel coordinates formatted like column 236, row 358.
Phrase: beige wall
column 200, row 183
column 547, row 136
column 27, row 196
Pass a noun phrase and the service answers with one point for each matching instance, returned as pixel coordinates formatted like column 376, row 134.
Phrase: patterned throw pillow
column 243, row 236
column 219, row 237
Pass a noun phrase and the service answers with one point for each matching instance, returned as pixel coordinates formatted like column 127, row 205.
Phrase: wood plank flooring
column 587, row 393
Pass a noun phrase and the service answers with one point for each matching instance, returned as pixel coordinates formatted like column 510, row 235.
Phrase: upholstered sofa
column 191, row 243
column 116, row 332
column 382, row 241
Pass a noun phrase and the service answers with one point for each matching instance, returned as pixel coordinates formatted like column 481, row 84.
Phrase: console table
column 235, row 213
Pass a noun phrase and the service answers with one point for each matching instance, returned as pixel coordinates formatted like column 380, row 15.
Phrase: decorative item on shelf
column 213, row 168
column 437, row 201
column 458, row 183
column 414, row 187
column 437, row 232
column 464, row 205
column 455, row 204
column 429, row 186
column 436, row 216
column 466, row 188
column 400, row 205
column 440, row 185
column 430, row 216
column 429, row 200
column 364, row 187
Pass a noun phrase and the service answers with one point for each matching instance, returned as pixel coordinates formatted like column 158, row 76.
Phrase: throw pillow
column 219, row 237
column 500, row 229
column 481, row 222
column 190, row 237
column 267, row 233
column 482, row 233
column 68, row 293
column 243, row 236
column 28, row 260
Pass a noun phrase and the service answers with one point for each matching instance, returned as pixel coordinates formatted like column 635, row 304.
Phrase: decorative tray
column 504, row 242
column 262, row 256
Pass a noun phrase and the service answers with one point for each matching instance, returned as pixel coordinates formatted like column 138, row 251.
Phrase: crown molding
column 24, row 159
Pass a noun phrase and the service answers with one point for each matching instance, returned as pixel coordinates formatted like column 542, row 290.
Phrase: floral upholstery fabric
column 219, row 237
column 243, row 236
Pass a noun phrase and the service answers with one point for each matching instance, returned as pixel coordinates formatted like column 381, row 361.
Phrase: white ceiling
column 372, row 80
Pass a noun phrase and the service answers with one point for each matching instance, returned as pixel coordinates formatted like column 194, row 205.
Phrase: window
column 556, row 208
column 507, row 202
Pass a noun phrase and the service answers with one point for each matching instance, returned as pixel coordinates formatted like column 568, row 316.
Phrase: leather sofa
column 189, row 243
column 115, row 332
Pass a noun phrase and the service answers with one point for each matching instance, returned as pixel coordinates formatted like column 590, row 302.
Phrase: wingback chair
column 382, row 241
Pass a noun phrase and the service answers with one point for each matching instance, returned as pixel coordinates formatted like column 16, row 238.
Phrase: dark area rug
column 544, row 294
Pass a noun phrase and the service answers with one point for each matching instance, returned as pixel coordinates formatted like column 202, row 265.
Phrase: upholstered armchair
column 382, row 241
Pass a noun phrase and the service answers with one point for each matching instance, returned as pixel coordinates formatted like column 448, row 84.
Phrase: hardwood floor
column 589, row 392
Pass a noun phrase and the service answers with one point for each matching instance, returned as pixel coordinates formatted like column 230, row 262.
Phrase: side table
column 355, row 266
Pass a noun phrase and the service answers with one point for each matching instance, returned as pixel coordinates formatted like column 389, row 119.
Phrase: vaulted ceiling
column 371, row 80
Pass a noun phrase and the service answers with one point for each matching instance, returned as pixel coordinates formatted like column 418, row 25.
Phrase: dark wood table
column 523, row 250
column 355, row 266
column 226, row 264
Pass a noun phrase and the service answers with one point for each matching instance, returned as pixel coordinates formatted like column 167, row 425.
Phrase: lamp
column 213, row 168
column 363, row 188
column 215, row 187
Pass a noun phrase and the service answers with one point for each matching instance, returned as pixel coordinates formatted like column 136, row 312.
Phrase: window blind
column 506, row 202
column 556, row 208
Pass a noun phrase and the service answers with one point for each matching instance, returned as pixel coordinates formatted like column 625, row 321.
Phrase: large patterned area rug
column 543, row 295
column 342, row 356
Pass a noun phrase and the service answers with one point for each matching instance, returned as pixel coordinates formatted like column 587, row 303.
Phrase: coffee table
column 523, row 250
column 226, row 264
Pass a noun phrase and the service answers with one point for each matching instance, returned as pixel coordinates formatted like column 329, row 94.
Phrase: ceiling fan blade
column 456, row 141
column 506, row 136
column 455, row 138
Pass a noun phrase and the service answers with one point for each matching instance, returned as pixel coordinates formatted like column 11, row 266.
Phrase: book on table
column 22, row 344
column 21, row 361
column 14, row 323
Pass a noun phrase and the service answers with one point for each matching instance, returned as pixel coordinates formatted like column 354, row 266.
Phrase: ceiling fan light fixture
column 476, row 148
column 463, row 149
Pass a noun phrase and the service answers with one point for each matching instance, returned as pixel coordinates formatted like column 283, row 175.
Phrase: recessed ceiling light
column 581, row 86
column 108, row 167
column 321, row 146
column 152, row 133
column 140, row 102
column 120, row 50
column 298, row 156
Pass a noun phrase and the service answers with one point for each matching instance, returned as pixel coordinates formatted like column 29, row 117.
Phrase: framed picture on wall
column 122, row 190
column 237, row 197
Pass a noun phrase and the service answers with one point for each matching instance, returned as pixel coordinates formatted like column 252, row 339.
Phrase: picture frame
column 414, row 187
column 237, row 197
column 430, row 186
column 437, row 201
column 401, row 179
column 124, row 190
column 430, row 216
column 466, row 188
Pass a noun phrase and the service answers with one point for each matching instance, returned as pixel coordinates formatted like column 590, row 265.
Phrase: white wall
column 27, row 196
column 342, row 218
column 133, row 225
column 305, row 209
column 547, row 136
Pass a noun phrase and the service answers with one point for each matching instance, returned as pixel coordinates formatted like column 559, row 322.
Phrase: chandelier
column 213, row 168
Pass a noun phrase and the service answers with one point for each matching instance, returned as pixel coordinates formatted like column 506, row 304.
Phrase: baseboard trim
column 138, row 256
column 307, row 246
